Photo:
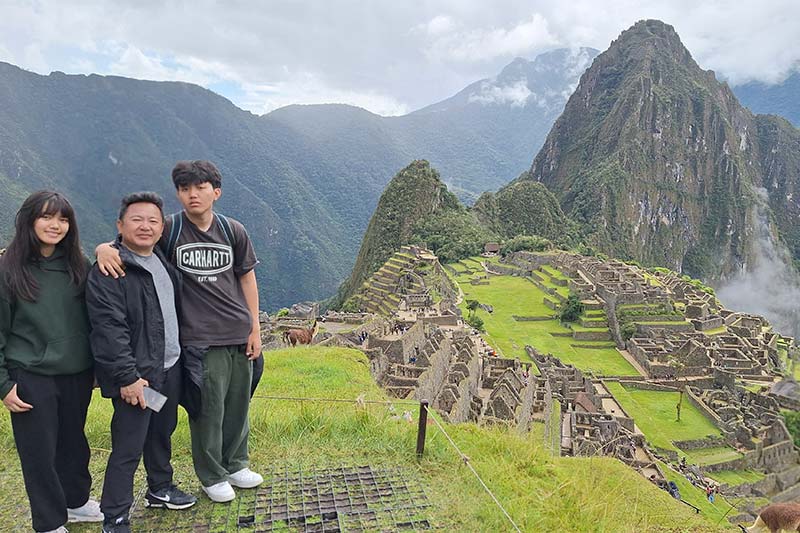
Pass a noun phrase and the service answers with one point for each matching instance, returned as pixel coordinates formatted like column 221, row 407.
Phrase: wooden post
column 423, row 424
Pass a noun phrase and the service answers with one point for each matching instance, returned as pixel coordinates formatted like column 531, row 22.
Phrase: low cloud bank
column 770, row 286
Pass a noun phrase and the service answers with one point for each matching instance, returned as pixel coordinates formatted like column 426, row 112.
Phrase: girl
column 46, row 373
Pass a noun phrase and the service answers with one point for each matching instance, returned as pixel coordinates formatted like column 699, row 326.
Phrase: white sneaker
column 245, row 479
column 220, row 492
column 62, row 529
column 88, row 512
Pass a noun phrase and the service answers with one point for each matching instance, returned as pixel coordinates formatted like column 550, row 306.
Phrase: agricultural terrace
column 512, row 296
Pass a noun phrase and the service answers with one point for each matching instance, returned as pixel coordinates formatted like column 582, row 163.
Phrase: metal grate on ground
column 326, row 499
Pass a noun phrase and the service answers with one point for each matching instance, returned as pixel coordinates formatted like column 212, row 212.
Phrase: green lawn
column 654, row 412
column 737, row 477
column 553, row 273
column 513, row 295
column 716, row 331
column 711, row 456
column 542, row 493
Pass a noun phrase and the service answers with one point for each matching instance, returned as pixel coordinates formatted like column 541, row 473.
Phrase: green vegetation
column 282, row 312
column 716, row 511
column 711, row 456
column 655, row 413
column 737, row 477
column 542, row 493
column 793, row 424
column 525, row 207
column 515, row 296
column 530, row 243
column 475, row 322
column 571, row 310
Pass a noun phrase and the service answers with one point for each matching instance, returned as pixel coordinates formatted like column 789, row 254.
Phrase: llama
column 297, row 336
column 777, row 518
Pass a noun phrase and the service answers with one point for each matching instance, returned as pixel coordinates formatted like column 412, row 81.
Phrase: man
column 219, row 324
column 136, row 345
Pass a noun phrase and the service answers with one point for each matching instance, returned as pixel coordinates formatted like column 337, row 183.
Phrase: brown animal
column 297, row 336
column 776, row 518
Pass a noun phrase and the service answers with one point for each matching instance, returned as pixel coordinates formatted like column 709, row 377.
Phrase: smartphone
column 154, row 399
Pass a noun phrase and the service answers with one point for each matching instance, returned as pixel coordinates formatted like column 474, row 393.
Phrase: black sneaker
column 170, row 497
column 117, row 525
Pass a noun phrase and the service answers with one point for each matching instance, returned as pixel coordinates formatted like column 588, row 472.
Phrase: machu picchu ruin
column 641, row 334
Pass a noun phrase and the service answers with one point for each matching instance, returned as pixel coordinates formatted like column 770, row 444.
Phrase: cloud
column 516, row 94
column 385, row 54
column 482, row 44
column 308, row 88
column 769, row 286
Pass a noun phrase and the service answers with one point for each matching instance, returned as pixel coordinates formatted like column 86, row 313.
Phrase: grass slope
column 542, row 493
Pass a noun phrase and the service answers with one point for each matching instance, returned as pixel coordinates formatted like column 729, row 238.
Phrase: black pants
column 51, row 444
column 136, row 432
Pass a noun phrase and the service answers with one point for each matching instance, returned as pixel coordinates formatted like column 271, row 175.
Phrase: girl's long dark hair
column 24, row 251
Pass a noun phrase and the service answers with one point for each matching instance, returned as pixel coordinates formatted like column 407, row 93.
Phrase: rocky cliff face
column 657, row 160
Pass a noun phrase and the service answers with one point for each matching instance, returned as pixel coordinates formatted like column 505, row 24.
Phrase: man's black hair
column 196, row 172
column 138, row 198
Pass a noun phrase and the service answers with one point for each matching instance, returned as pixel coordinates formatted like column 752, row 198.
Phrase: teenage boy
column 219, row 324
column 136, row 345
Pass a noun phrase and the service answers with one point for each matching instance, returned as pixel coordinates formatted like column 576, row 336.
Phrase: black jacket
column 127, row 336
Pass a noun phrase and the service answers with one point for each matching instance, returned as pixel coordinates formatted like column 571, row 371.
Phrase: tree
column 282, row 312
column 627, row 330
column 472, row 306
column 678, row 366
column 571, row 310
column 475, row 322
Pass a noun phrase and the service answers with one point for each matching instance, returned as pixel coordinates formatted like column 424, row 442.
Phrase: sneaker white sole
column 219, row 499
column 77, row 519
column 168, row 505
column 244, row 485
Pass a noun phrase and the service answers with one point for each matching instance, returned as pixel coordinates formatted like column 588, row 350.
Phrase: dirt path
column 634, row 363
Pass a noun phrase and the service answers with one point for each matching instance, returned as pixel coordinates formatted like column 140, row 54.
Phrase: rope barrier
column 358, row 400
column 465, row 459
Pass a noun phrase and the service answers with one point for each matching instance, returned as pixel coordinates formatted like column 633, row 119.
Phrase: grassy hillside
column 540, row 492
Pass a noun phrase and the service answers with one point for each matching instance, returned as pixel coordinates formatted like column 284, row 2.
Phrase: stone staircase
column 380, row 293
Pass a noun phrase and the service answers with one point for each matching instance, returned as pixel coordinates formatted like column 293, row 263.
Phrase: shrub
column 530, row 243
column 475, row 322
column 571, row 310
column 627, row 331
column 282, row 312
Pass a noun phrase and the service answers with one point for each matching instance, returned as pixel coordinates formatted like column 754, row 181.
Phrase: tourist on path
column 136, row 347
column 45, row 361
column 220, row 331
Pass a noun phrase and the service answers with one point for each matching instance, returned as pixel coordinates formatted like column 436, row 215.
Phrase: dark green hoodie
column 49, row 336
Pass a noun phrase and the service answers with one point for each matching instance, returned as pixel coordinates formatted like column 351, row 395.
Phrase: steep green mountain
column 415, row 208
column 775, row 99
column 525, row 207
column 97, row 138
column 657, row 160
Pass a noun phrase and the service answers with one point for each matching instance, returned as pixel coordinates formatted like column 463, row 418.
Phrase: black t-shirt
column 213, row 309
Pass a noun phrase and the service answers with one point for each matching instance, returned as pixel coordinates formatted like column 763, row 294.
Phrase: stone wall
column 432, row 380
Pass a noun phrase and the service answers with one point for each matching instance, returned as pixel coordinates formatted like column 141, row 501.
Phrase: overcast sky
column 390, row 57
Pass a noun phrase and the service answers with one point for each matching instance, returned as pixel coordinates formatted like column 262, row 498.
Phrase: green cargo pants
column 219, row 434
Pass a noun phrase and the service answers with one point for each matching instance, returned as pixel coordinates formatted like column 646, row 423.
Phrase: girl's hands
column 13, row 402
